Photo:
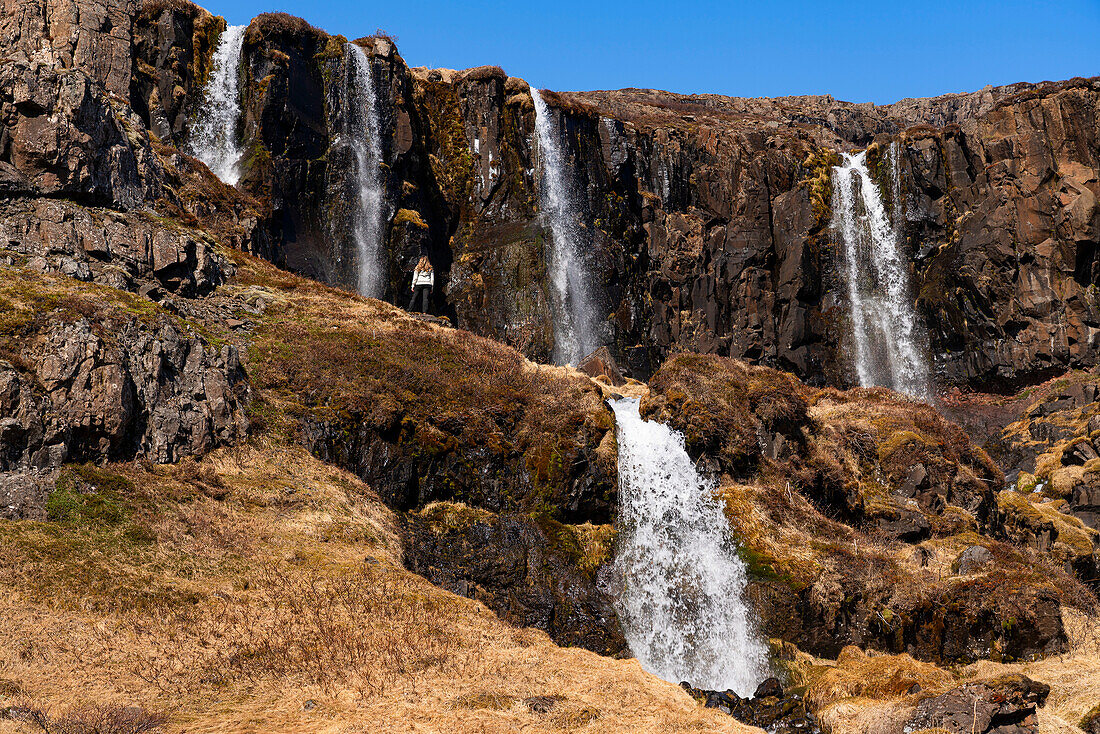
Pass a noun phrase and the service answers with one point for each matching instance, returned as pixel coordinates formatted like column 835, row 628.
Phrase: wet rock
column 1005, row 706
column 601, row 364
column 769, row 688
column 173, row 47
column 767, row 709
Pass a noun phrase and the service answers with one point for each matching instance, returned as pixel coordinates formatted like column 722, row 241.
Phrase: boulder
column 600, row 363
column 972, row 560
column 1005, row 705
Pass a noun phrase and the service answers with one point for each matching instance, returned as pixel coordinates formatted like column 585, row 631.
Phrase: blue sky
column 857, row 51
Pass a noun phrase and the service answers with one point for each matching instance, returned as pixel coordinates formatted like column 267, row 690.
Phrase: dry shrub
column 153, row 8
column 369, row 630
column 265, row 25
column 483, row 74
column 90, row 718
column 879, row 676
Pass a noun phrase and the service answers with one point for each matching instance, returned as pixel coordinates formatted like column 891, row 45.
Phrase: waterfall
column 213, row 139
column 576, row 332
column 679, row 583
column 361, row 131
column 885, row 334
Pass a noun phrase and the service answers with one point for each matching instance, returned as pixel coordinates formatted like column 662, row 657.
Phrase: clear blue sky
column 857, row 51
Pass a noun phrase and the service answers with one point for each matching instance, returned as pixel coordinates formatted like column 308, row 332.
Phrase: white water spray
column 885, row 334
column 213, row 138
column 680, row 585
column 362, row 133
column 576, row 332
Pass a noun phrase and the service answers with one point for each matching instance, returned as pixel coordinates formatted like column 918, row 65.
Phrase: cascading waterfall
column 885, row 333
column 576, row 332
column 214, row 138
column 362, row 133
column 678, row 581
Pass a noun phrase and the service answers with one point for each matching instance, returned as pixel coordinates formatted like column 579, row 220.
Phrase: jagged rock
column 158, row 393
column 90, row 35
column 708, row 216
column 601, row 364
column 973, row 559
column 23, row 493
column 123, row 251
column 173, row 48
column 1006, row 706
column 525, row 570
column 67, row 137
column 767, row 709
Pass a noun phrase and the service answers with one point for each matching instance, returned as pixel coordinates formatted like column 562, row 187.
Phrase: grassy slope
column 229, row 592
column 260, row 589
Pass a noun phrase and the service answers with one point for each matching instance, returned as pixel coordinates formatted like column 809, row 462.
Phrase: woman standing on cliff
column 422, row 281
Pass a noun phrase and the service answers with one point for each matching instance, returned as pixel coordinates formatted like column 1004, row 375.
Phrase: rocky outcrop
column 852, row 509
column 531, row 572
column 1005, row 705
column 425, row 413
column 769, row 708
column 172, row 52
column 155, row 393
column 126, row 251
column 709, row 216
column 67, row 136
column 90, row 373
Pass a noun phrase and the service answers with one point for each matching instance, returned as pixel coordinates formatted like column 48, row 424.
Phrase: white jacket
column 423, row 277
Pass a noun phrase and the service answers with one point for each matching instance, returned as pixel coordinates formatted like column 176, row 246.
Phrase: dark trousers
column 423, row 294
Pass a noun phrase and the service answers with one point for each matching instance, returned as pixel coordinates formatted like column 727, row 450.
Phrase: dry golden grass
column 296, row 617
column 882, row 677
column 864, row 693
column 1074, row 678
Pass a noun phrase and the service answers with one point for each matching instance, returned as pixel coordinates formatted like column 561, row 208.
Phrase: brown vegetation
column 296, row 617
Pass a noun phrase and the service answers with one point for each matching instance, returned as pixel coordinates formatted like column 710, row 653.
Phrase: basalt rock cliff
column 708, row 216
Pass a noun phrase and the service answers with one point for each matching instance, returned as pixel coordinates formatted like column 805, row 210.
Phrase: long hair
column 424, row 266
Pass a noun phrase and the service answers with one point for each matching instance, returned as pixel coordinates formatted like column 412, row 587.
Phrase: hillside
column 236, row 495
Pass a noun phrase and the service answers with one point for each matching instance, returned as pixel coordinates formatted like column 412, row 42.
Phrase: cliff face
column 709, row 216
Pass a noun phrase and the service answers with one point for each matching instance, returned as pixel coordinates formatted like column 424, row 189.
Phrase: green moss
column 819, row 165
column 452, row 162
column 762, row 567
column 896, row 441
column 334, row 48
column 204, row 41
column 72, row 504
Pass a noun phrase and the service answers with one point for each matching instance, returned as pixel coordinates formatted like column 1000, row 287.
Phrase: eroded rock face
column 173, row 47
column 709, row 216
column 65, row 136
column 156, row 393
column 527, row 571
column 124, row 251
